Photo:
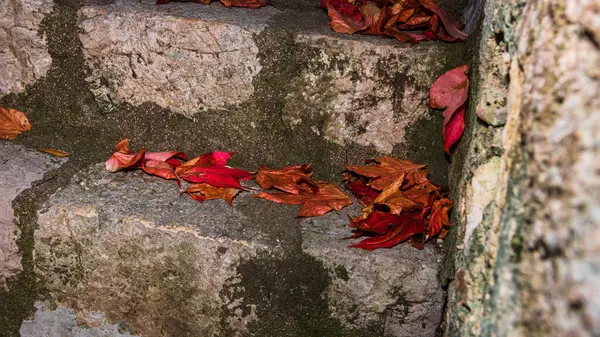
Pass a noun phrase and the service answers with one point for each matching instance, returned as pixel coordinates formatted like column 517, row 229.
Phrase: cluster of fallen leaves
column 406, row 20
column 228, row 3
column 400, row 203
column 450, row 92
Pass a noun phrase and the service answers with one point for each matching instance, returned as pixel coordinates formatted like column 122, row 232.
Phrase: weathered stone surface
column 127, row 246
column 367, row 91
column 185, row 58
column 352, row 90
column 20, row 167
column 398, row 288
column 62, row 322
column 23, row 53
column 529, row 264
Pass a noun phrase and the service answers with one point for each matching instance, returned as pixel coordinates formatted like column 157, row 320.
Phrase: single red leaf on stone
column 216, row 158
column 12, row 123
column 454, row 129
column 216, row 180
column 450, row 92
column 290, row 179
column 123, row 158
column 328, row 197
column 451, row 26
column 202, row 192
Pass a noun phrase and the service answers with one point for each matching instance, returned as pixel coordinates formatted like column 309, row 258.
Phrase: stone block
column 125, row 245
column 20, row 167
column 23, row 50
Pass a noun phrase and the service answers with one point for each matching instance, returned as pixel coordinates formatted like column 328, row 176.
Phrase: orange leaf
column 439, row 216
column 12, row 123
column 202, row 192
column 287, row 179
column 54, row 152
column 329, row 197
column 344, row 24
column 385, row 171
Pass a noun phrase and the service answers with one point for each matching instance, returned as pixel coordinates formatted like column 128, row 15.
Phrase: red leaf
column 386, row 170
column 452, row 131
column 328, row 197
column 439, row 217
column 290, row 179
column 452, row 27
column 341, row 23
column 393, row 236
column 364, row 193
column 450, row 91
column 376, row 222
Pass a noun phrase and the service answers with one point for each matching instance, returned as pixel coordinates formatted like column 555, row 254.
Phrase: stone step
column 272, row 70
column 125, row 250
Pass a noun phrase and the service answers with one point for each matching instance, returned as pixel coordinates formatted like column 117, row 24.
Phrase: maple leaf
column 385, row 171
column 12, row 123
column 210, row 168
column 160, row 164
column 450, row 92
column 328, row 197
column 411, row 225
column 202, row 192
column 290, row 179
column 365, row 194
column 376, row 222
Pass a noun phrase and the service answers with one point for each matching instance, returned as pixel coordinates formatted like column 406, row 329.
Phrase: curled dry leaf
column 328, row 197
column 54, row 152
column 161, row 164
column 227, row 3
column 450, row 92
column 400, row 203
column 202, row 192
column 12, row 123
column 290, row 179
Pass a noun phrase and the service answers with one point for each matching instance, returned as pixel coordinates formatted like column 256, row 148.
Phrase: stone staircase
column 121, row 254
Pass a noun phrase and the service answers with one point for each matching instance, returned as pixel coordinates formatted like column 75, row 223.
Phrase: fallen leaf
column 407, row 207
column 227, row 3
column 384, row 171
column 210, row 168
column 54, row 152
column 12, row 123
column 328, row 197
column 450, row 92
column 202, row 192
column 288, row 179
column 344, row 24
column 451, row 26
column 161, row 164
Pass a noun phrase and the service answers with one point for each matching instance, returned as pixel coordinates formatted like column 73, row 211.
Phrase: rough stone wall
column 528, row 260
column 24, row 55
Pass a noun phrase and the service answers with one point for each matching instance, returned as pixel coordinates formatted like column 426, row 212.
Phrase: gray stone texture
column 528, row 198
column 20, row 167
column 194, row 59
column 24, row 55
column 127, row 246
